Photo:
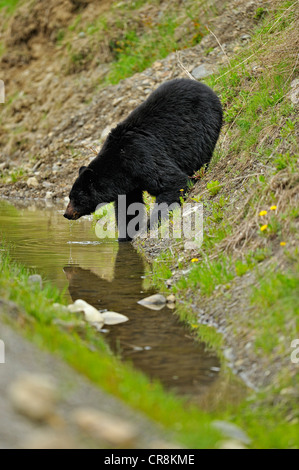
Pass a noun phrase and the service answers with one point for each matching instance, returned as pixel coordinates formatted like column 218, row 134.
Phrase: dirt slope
column 52, row 118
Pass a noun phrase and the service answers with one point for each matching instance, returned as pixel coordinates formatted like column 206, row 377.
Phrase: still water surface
column 114, row 276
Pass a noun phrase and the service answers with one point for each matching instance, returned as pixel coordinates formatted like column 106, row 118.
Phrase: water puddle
column 113, row 276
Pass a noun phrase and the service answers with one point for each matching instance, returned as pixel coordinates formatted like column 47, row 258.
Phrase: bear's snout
column 70, row 212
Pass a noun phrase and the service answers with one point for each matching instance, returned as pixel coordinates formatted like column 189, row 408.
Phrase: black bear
column 157, row 148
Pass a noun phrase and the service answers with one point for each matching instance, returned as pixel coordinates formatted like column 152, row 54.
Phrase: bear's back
column 176, row 98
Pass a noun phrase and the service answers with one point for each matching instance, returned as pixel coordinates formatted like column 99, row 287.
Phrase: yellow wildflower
column 263, row 213
column 273, row 208
column 282, row 243
column 264, row 227
column 194, row 260
column 181, row 189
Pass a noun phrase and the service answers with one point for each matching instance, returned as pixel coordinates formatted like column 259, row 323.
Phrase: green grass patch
column 276, row 308
column 135, row 52
column 88, row 353
column 9, row 6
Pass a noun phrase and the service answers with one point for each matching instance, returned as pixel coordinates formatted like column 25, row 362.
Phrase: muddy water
column 112, row 276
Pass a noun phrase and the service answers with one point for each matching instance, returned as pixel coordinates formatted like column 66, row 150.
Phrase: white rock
column 231, row 430
column 201, row 71
column 105, row 132
column 91, row 314
column 32, row 182
column 105, row 428
column 46, row 439
column 294, row 93
column 232, row 445
column 33, row 395
column 155, row 302
column 113, row 318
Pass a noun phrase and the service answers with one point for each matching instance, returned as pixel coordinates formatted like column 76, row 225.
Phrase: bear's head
column 83, row 199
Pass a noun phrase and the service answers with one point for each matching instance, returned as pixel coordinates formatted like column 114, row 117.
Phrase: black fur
column 156, row 148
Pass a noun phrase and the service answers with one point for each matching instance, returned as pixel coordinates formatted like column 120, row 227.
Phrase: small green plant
column 260, row 13
column 199, row 174
column 9, row 5
column 285, row 160
column 214, row 187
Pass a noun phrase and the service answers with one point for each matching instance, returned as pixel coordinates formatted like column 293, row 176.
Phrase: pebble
column 231, row 430
column 154, row 302
column 294, row 93
column 47, row 439
column 228, row 354
column 32, row 182
column 105, row 428
column 171, row 298
column 34, row 396
column 232, row 444
column 201, row 71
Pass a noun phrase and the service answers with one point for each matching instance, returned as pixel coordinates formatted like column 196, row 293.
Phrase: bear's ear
column 81, row 169
column 86, row 174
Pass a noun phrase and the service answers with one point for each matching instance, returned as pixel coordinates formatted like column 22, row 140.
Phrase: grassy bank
column 246, row 271
column 86, row 351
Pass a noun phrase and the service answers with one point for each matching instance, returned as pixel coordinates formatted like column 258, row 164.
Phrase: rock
column 36, row 279
column 294, row 93
column 228, row 354
column 105, row 132
column 92, row 315
column 47, row 184
column 170, row 305
column 46, row 439
column 113, row 318
column 33, row 396
column 231, row 430
column 171, row 299
column 232, row 444
column 105, row 428
column 49, row 195
column 155, row 302
column 202, row 71
column 32, row 182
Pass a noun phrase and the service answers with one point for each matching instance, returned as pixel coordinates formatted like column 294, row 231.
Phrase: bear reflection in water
column 154, row 341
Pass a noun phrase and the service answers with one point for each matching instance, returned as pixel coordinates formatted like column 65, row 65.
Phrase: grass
column 254, row 167
column 135, row 52
column 276, row 308
column 88, row 354
column 240, row 243
column 132, row 36
column 9, row 5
